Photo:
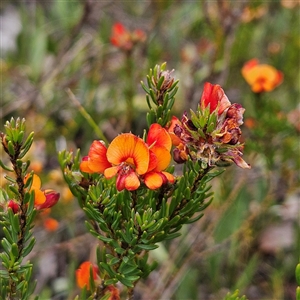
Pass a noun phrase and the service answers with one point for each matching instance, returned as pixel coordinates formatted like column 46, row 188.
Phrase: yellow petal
column 39, row 197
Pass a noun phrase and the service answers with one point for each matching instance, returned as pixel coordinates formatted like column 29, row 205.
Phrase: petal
column 175, row 139
column 97, row 161
column 249, row 65
column 132, row 182
column 83, row 274
column 36, row 181
column 214, row 96
column 153, row 180
column 120, row 182
column 206, row 98
column 241, row 163
column 84, row 166
column 158, row 136
column 153, row 161
column 111, row 172
column 235, row 156
column 39, row 197
column 169, row 177
column 163, row 157
column 128, row 181
column 126, row 146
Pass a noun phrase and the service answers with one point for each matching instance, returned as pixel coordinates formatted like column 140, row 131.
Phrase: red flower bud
column 214, row 96
column 14, row 206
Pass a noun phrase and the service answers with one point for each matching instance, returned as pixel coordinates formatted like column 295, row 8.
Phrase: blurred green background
column 57, row 60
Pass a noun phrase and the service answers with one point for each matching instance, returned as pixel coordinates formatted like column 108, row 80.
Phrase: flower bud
column 14, row 206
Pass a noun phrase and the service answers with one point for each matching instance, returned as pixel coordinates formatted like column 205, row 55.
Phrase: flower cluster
column 212, row 134
column 261, row 77
column 132, row 160
column 124, row 39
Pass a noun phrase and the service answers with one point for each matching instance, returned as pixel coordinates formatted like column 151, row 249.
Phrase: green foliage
column 64, row 47
column 18, row 240
column 132, row 223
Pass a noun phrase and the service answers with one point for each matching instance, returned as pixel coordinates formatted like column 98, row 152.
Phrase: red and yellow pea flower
column 83, row 274
column 261, row 77
column 42, row 198
column 132, row 160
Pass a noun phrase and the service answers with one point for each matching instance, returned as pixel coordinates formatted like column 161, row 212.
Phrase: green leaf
column 14, row 250
column 160, row 82
column 114, row 261
column 120, row 250
column 29, row 247
column 108, row 269
column 146, row 247
column 110, row 281
column 144, row 87
column 5, row 259
column 125, row 281
column 192, row 220
column 172, row 236
column 6, row 245
column 4, row 274
column 20, row 137
column 6, row 168
column 8, row 235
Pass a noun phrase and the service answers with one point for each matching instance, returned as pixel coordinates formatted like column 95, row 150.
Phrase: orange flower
column 160, row 143
column 130, row 158
column 83, row 274
column 124, row 39
column 42, row 198
column 261, row 77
